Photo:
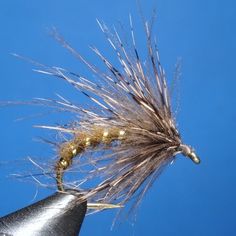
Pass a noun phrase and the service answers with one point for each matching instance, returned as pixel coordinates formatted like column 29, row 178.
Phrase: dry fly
column 131, row 121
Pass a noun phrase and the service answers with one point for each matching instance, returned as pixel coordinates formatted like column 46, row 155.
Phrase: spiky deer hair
column 132, row 118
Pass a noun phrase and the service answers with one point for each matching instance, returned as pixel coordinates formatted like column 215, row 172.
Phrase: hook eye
column 194, row 158
column 189, row 152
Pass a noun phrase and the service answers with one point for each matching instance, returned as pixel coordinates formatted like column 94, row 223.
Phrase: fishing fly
column 131, row 121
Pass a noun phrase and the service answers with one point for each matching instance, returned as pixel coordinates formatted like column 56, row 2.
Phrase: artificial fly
column 132, row 122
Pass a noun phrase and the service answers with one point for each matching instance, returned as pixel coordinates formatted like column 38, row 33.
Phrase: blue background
column 187, row 199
